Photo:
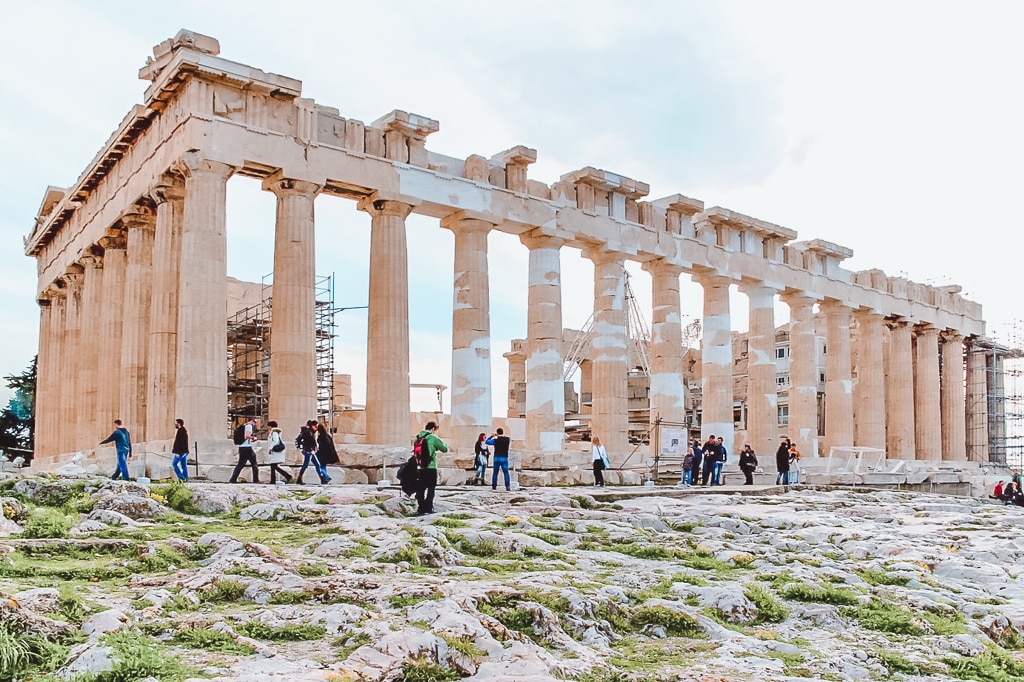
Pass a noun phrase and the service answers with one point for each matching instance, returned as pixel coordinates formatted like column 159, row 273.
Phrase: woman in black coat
column 782, row 463
column 325, row 450
column 748, row 464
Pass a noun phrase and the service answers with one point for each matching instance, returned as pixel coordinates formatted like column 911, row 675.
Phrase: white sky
column 890, row 128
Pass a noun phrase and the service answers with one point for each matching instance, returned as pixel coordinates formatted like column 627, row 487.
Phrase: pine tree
column 17, row 420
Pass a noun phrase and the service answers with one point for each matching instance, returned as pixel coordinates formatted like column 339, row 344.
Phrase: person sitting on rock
column 997, row 492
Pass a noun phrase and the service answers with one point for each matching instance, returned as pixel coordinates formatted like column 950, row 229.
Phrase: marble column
column 71, row 355
column 293, row 386
column 668, row 390
column 954, row 437
column 136, row 310
column 108, row 384
column 161, row 378
column 762, row 391
column 977, row 404
column 471, row 410
column 838, row 375
column 387, row 344
column 803, row 373
column 46, row 370
column 201, row 384
column 927, row 408
column 545, row 392
column 516, row 375
column 609, row 353
column 899, row 392
column 716, row 360
column 88, row 373
column 869, row 391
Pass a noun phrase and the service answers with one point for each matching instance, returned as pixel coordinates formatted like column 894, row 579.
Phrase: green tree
column 17, row 420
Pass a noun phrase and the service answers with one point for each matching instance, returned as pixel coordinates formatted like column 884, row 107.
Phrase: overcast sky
column 894, row 129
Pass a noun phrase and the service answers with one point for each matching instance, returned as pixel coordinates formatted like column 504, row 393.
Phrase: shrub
column 47, row 523
column 421, row 670
column 22, row 651
column 212, row 640
column 676, row 624
column 885, row 617
column 448, row 522
column 991, row 666
column 285, row 633
column 137, row 657
column 768, row 610
column 223, row 591
column 826, row 595
column 178, row 497
column 289, row 597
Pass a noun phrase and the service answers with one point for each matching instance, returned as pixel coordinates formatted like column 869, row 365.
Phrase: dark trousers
column 425, row 490
column 598, row 472
column 275, row 470
column 246, row 456
column 748, row 474
column 709, row 467
column 500, row 464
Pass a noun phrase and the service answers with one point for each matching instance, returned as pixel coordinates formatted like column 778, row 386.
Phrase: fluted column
column 516, row 375
column 668, row 390
column 609, row 354
column 471, row 331
column 927, row 408
column 293, row 388
column 46, row 370
column 869, row 391
column 92, row 307
column 136, row 310
column 716, row 360
column 762, row 395
column 838, row 376
column 977, row 404
column 387, row 344
column 899, row 392
column 108, row 384
column 954, row 438
column 71, row 401
column 803, row 373
column 545, row 392
column 161, row 377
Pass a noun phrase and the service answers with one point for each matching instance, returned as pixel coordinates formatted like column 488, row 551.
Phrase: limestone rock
column 135, row 508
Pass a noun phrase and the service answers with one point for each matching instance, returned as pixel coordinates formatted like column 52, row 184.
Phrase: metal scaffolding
column 995, row 415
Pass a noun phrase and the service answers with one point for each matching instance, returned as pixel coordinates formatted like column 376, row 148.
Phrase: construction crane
column 638, row 339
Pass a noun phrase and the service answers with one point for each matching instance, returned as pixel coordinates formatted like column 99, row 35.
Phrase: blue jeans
column 122, row 466
column 320, row 470
column 481, row 470
column 180, row 466
column 717, row 475
column 687, row 476
column 500, row 463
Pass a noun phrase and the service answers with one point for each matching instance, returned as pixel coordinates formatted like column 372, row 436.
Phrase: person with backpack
column 501, row 443
column 276, row 454
column 306, row 441
column 246, row 455
column 480, row 460
column 122, row 441
column 425, row 447
column 180, row 451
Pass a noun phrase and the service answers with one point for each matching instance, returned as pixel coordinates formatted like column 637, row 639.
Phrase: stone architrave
column 137, row 299
column 45, row 374
column 869, row 390
column 71, row 401
column 115, row 269
column 609, row 354
column 387, row 343
column 927, row 408
column 161, row 378
column 201, row 385
column 716, row 359
column 762, row 391
column 977, row 404
column 293, row 386
column 668, row 390
column 954, row 438
column 471, row 330
column 803, row 373
column 545, row 392
column 92, row 306
column 838, row 376
column 899, row 392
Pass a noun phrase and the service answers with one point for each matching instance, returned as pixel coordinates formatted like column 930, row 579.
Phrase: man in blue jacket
column 122, row 441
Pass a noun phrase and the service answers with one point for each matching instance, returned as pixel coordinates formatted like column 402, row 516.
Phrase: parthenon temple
column 133, row 287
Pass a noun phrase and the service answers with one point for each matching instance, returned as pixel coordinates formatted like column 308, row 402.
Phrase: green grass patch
column 48, row 523
column 224, row 591
column 212, row 640
column 990, row 666
column 895, row 663
column 826, row 595
column 768, row 610
column 676, row 624
column 23, row 652
column 422, row 670
column 285, row 597
column 285, row 633
column 885, row 617
column 178, row 496
column 465, row 646
column 449, row 522
column 137, row 657
column 874, row 576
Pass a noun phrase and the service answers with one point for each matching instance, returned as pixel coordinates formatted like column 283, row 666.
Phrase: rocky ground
column 108, row 581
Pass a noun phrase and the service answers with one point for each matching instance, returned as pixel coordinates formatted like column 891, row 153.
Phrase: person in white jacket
column 599, row 458
column 275, row 454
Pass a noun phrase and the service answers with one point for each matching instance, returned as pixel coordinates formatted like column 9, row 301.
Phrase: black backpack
column 407, row 476
column 239, row 437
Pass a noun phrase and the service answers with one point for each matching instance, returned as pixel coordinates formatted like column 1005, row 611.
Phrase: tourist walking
column 427, row 470
column 782, row 462
column 276, row 454
column 307, row 442
column 711, row 452
column 748, row 464
column 246, row 455
column 179, row 451
column 122, row 441
column 500, row 442
column 326, row 453
column 599, row 459
column 481, row 455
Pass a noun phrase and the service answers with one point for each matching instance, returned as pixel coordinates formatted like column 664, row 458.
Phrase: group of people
column 702, row 464
column 1012, row 492
column 786, row 458
column 500, row 442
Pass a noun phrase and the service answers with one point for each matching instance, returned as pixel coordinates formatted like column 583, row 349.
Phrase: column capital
column 756, row 288
column 798, row 299
column 660, row 266
column 377, row 207
column 469, row 221
column 926, row 329
column 896, row 322
column 74, row 276
column 951, row 336
column 711, row 278
column 868, row 315
column 192, row 164
column 112, row 242
column 281, row 186
column 170, row 188
column 91, row 261
column 832, row 305
column 139, row 220
column 598, row 256
column 535, row 239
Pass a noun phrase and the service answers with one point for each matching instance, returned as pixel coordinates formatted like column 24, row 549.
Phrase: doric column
column 762, row 396
column 899, row 392
column 803, row 373
column 927, row 409
column 91, row 341
column 954, row 439
column 610, row 416
column 716, row 360
column 516, row 375
column 108, row 394
column 161, row 376
column 136, row 310
column 47, row 366
column 838, row 375
column 545, row 388
column 293, row 388
column 71, row 400
column 387, row 344
column 977, row 404
column 869, row 391
column 586, row 385
column 471, row 330
column 668, row 390
column 201, row 385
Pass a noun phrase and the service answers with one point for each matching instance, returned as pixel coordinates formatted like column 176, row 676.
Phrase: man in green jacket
column 427, row 472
